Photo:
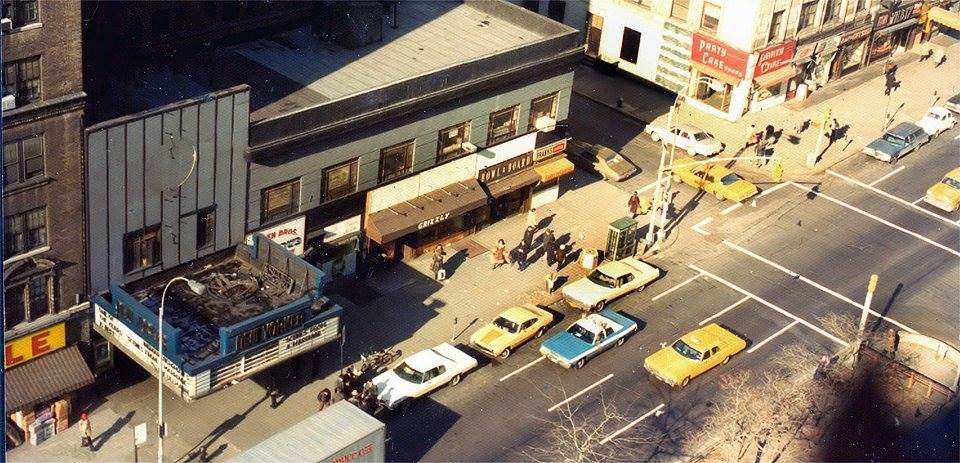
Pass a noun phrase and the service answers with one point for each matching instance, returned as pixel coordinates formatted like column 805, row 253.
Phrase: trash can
column 589, row 259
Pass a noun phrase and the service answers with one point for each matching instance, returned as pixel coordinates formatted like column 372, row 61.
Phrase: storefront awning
column 946, row 18
column 514, row 182
column 896, row 27
column 711, row 72
column 554, row 169
column 46, row 378
column 775, row 77
column 425, row 210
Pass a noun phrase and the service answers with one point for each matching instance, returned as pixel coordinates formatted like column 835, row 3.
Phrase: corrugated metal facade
column 127, row 173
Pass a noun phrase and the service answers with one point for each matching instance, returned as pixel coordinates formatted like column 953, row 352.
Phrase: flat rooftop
column 296, row 69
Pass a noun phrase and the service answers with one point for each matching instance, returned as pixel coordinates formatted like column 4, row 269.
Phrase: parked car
column 600, row 160
column 686, row 137
column 897, row 142
column 587, row 337
column 945, row 194
column 694, row 354
column 422, row 373
column 953, row 104
column 609, row 281
column 511, row 329
column 937, row 120
column 715, row 179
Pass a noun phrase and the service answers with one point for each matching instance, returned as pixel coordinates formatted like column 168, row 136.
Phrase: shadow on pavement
column 117, row 425
column 411, row 422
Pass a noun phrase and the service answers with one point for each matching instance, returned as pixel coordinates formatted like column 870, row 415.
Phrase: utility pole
column 866, row 308
column 658, row 191
column 812, row 157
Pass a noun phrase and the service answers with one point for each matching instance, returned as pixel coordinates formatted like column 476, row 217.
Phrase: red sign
column 775, row 57
column 715, row 54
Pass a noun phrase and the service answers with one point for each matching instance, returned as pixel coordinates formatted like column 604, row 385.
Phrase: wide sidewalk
column 857, row 102
column 404, row 308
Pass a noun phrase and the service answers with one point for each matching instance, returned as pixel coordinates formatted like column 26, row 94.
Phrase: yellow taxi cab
column 511, row 329
column 713, row 178
column 945, row 194
column 694, row 354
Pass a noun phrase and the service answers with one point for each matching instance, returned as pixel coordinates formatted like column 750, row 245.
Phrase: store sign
column 433, row 221
column 804, row 51
column 506, row 167
column 855, row 35
column 544, row 152
column 772, row 58
column 717, row 55
column 289, row 234
column 340, row 229
column 888, row 18
column 34, row 345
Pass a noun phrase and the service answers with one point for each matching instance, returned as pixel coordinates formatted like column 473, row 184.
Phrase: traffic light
column 776, row 174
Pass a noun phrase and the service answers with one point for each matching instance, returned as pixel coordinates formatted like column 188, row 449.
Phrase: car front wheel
column 718, row 195
column 654, row 136
column 685, row 381
column 580, row 363
column 505, row 353
column 600, row 305
column 621, row 341
column 725, row 360
column 455, row 380
column 540, row 333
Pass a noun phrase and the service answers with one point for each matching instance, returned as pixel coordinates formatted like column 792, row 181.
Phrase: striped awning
column 946, row 18
column 46, row 378
column 554, row 169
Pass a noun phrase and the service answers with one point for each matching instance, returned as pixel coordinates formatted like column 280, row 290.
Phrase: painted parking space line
column 889, row 174
column 888, row 195
column 697, row 228
column 729, row 307
column 650, row 186
column 810, row 282
column 518, row 370
column 772, row 306
column 730, row 208
column 878, row 219
column 778, row 333
column 675, row 287
column 632, row 423
column 917, row 200
column 772, row 189
column 568, row 399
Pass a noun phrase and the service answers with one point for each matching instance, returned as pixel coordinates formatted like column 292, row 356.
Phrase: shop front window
column 450, row 141
column 714, row 93
column 279, row 201
column 503, row 125
column 396, row 161
column 340, row 180
column 545, row 106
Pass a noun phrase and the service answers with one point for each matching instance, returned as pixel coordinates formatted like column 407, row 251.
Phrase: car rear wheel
column 725, row 360
column 580, row 363
column 455, row 380
column 685, row 381
column 641, row 288
column 600, row 305
column 718, row 195
column 540, row 332
column 621, row 341
column 506, row 353
column 654, row 136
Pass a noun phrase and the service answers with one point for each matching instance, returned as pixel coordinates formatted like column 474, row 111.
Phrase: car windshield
column 602, row 279
column 506, row 325
column 730, row 179
column 685, row 350
column 894, row 139
column 581, row 333
column 407, row 373
column 700, row 136
column 952, row 182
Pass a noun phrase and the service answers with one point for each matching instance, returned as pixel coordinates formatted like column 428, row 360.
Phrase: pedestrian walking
column 499, row 256
column 761, row 151
column 633, row 204
column 892, row 341
column 521, row 255
column 528, row 237
column 86, row 434
column 940, row 60
column 752, row 139
column 561, row 256
column 833, row 131
column 550, row 246
column 532, row 218
column 324, row 398
column 551, row 282
column 802, row 125
column 436, row 266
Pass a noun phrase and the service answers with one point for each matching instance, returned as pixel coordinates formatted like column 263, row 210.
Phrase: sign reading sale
column 34, row 345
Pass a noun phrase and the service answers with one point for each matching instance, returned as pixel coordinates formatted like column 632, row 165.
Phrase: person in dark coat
column 561, row 256
column 437, row 264
column 633, row 204
column 528, row 237
column 550, row 246
column 324, row 398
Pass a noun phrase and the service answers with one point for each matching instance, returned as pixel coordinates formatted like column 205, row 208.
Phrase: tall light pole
column 198, row 288
column 866, row 308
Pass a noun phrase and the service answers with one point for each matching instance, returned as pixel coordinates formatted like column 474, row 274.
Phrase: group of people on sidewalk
column 350, row 388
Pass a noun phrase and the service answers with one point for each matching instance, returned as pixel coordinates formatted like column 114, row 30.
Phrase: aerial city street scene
column 481, row 230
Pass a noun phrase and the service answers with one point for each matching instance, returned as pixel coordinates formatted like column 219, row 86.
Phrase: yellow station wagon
column 945, row 194
column 694, row 354
column 714, row 179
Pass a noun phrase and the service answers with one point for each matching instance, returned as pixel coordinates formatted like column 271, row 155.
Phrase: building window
column 23, row 159
column 22, row 79
column 644, row 3
column 861, row 5
column 29, row 300
column 340, row 180
column 21, row 12
column 532, row 5
column 503, row 125
column 38, row 296
column 630, row 46
column 141, row 249
column 808, row 12
column 545, row 106
column 279, row 201
column 775, row 24
column 396, row 161
column 450, row 141
column 25, row 231
column 14, row 310
column 710, row 20
column 556, row 9
column 831, row 11
column 679, row 9
column 206, row 227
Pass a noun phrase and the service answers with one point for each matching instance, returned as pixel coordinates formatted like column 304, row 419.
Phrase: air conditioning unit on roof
column 545, row 123
column 468, row 147
column 6, row 24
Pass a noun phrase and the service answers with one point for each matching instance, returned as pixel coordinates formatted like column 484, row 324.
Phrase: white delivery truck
column 341, row 433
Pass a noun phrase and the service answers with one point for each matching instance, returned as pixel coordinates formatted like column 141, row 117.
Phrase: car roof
column 700, row 339
column 955, row 98
column 615, row 268
column 954, row 174
column 689, row 128
column 939, row 110
column 904, row 129
column 424, row 360
column 518, row 314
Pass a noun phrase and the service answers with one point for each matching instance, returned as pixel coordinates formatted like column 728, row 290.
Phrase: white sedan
column 422, row 373
column 937, row 120
column 686, row 137
column 609, row 281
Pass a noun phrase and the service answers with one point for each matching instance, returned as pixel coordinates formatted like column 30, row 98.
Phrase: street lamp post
column 198, row 288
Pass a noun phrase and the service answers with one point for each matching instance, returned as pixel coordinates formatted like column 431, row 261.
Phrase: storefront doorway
column 512, row 203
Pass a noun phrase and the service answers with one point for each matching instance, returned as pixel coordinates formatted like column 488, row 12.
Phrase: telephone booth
column 621, row 239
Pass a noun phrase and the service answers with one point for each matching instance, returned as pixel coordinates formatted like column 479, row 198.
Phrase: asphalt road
column 768, row 269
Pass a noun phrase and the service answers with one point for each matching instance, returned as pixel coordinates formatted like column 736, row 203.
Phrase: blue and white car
column 587, row 337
